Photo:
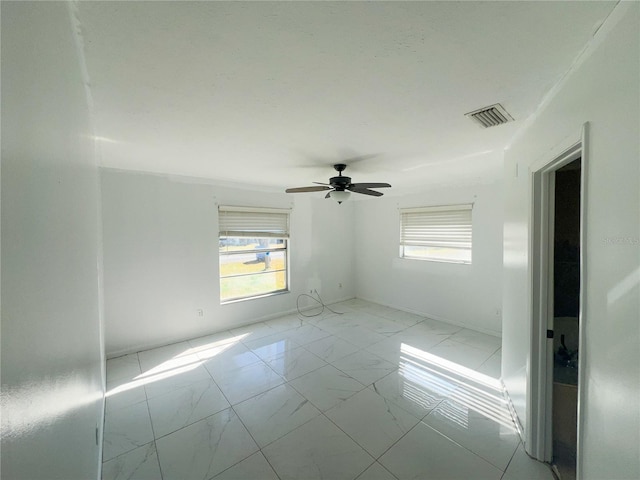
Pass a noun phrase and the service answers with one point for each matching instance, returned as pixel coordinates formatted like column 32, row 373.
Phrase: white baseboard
column 148, row 346
column 271, row 316
column 436, row 317
column 512, row 410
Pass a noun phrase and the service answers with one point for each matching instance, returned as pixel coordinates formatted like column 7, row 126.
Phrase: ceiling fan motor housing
column 340, row 183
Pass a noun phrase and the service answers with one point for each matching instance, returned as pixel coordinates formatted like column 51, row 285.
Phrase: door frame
column 540, row 378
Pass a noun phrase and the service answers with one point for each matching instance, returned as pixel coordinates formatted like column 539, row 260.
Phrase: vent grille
column 490, row 116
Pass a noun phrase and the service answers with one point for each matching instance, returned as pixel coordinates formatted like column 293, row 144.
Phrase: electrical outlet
column 200, row 312
column 340, row 285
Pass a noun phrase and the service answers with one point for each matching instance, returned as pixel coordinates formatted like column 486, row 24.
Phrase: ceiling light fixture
column 340, row 195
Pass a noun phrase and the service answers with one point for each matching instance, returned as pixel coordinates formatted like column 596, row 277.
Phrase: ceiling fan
column 340, row 186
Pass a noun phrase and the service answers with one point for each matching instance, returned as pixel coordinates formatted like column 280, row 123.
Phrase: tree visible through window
column 253, row 252
column 442, row 233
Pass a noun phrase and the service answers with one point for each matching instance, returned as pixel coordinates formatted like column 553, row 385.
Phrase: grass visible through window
column 255, row 268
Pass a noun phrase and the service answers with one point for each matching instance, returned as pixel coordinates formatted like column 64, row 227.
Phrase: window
column 440, row 234
column 253, row 252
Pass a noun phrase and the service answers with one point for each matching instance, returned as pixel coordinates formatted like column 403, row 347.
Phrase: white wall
column 161, row 257
column 468, row 295
column 603, row 90
column 52, row 382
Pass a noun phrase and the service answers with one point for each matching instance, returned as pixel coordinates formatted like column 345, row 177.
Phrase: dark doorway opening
column 566, row 308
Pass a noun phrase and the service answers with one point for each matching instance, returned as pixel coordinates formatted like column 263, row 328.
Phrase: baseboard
column 436, row 317
column 271, row 316
column 516, row 420
column 293, row 310
column 514, row 414
column 148, row 346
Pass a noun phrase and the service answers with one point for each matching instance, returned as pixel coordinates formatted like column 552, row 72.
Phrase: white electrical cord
column 319, row 300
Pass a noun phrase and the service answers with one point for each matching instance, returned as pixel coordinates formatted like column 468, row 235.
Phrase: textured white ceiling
column 273, row 94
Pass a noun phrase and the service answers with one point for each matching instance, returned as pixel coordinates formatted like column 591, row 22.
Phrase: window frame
column 428, row 232
column 274, row 227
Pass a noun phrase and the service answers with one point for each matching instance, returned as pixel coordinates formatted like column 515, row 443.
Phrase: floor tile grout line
column 394, row 444
column 361, row 446
column 300, row 345
column 290, row 431
column 462, row 446
column 192, row 423
column 272, row 467
column 374, row 389
column 129, row 451
column 349, row 436
column 274, row 357
column 348, row 375
column 326, row 363
column 249, row 365
column 260, row 448
column 246, row 326
column 511, row 459
column 394, row 320
column 381, row 466
column 204, row 418
column 310, row 401
column 230, row 407
column 254, row 441
column 155, row 446
column 490, row 352
column 331, row 335
column 353, row 439
column 276, row 386
column 491, row 356
column 153, row 432
column 421, row 420
column 150, row 423
column 262, row 393
column 328, row 418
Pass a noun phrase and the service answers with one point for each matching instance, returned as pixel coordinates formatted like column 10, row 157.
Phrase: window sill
column 254, row 297
column 459, row 262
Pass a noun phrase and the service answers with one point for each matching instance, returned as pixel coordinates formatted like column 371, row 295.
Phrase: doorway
column 557, row 309
column 565, row 323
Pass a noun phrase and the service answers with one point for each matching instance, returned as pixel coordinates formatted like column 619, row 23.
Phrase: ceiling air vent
column 490, row 116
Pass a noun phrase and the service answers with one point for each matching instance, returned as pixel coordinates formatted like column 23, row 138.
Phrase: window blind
column 443, row 226
column 253, row 222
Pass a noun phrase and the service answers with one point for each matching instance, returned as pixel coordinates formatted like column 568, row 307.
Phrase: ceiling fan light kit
column 340, row 195
column 340, row 187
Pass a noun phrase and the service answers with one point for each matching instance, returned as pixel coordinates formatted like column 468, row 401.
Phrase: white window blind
column 437, row 233
column 253, row 222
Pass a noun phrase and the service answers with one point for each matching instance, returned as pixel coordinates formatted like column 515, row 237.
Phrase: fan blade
column 306, row 189
column 370, row 185
column 319, row 183
column 359, row 158
column 365, row 191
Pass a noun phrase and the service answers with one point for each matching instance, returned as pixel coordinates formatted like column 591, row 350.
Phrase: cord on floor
column 319, row 300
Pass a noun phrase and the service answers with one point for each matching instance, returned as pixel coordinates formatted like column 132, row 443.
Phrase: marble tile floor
column 371, row 393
